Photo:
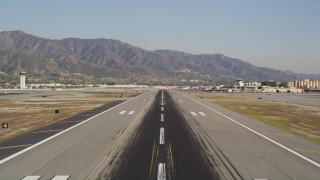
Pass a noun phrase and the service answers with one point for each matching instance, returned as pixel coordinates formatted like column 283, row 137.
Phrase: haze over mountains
column 98, row 58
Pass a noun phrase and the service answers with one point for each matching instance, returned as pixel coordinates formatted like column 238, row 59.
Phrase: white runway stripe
column 161, row 171
column 31, row 178
column 193, row 113
column 202, row 114
column 161, row 141
column 131, row 112
column 162, row 108
column 60, row 177
column 162, row 117
column 122, row 112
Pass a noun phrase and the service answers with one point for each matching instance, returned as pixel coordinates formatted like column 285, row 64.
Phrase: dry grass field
column 26, row 115
column 296, row 119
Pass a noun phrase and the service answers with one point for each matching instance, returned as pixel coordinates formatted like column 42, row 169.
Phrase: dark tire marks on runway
column 182, row 154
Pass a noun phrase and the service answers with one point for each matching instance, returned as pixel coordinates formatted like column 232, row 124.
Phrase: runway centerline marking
column 202, row 114
column 161, row 141
column 162, row 117
column 59, row 133
column 259, row 134
column 162, row 108
column 193, row 113
column 122, row 112
column 9, row 147
column 60, row 177
column 131, row 112
column 161, row 171
column 31, row 178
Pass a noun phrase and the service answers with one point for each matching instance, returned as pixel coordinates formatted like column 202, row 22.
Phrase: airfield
column 158, row 134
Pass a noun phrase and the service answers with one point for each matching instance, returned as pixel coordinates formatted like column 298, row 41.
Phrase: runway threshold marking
column 193, row 113
column 50, row 130
column 31, row 178
column 9, row 147
column 161, row 171
column 131, row 112
column 161, row 141
column 259, row 134
column 60, row 177
column 122, row 112
column 59, row 133
column 202, row 114
column 306, row 150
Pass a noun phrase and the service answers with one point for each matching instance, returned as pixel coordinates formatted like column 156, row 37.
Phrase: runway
column 167, row 135
column 75, row 153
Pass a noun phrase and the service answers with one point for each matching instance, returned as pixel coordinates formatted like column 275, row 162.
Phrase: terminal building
column 305, row 84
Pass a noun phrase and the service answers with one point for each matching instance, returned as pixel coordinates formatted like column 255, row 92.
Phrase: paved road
column 308, row 99
column 77, row 152
column 181, row 137
column 252, row 155
column 164, row 148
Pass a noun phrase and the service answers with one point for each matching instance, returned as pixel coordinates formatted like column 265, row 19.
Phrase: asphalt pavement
column 163, row 135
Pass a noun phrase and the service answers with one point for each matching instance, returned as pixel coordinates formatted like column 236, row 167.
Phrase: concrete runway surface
column 166, row 135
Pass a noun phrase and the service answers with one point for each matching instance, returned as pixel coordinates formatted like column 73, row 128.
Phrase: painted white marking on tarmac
column 259, row 134
column 131, row 112
column 193, row 113
column 59, row 133
column 122, row 112
column 161, row 141
column 144, row 100
column 202, row 114
column 31, row 178
column 161, row 171
column 162, row 108
column 60, row 177
column 162, row 117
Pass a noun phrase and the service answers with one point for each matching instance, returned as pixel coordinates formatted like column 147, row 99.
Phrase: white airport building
column 23, row 80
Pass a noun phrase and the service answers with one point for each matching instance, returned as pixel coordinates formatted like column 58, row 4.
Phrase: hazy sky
column 281, row 34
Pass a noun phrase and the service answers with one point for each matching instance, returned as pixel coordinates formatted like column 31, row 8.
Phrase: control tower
column 22, row 80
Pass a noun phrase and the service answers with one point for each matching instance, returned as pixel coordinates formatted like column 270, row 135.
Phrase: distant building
column 305, row 84
column 240, row 83
column 22, row 80
column 270, row 83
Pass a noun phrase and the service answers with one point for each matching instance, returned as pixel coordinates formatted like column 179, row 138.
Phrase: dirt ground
column 296, row 119
column 29, row 114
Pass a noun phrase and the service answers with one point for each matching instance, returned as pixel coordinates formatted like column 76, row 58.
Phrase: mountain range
column 68, row 58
